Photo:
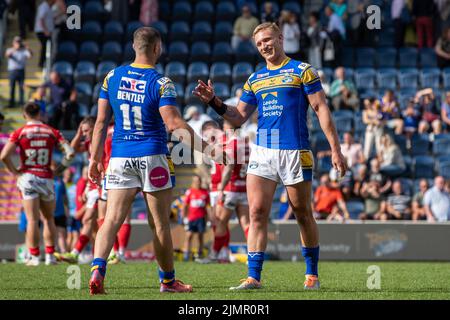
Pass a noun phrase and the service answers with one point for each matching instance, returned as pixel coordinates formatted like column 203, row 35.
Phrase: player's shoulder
column 262, row 72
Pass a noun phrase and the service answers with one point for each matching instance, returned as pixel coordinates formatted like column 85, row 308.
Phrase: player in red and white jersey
column 82, row 143
column 36, row 142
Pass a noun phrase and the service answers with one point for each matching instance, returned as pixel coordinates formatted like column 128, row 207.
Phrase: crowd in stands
column 388, row 89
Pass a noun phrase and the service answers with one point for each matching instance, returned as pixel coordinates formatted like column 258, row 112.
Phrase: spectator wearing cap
column 397, row 205
column 418, row 209
column 243, row 27
column 17, row 57
column 343, row 92
column 328, row 200
column 437, row 201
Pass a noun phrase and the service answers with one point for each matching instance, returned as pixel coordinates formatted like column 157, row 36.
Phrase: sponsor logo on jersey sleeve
column 168, row 90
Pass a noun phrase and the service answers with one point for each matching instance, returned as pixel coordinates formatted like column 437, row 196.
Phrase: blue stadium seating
column 324, row 164
column 84, row 92
column 196, row 71
column 241, row 71
column 189, row 98
column 446, row 78
column 161, row 26
column 96, row 93
column 200, row 51
column 222, row 52
column 179, row 88
column 178, row 51
column 128, row 52
column 401, row 141
column 222, row 90
column 343, row 113
column 201, row 31
column 348, row 58
column 180, row 31
column 85, row 72
column 387, row 78
column 386, row 57
column 132, row 26
column 407, row 57
column 343, row 123
column 355, row 208
column 103, row 68
column 441, row 147
column 407, row 186
column 427, row 58
column 365, row 78
column 423, row 167
column 181, row 11
column 226, row 11
column 408, row 78
column 430, row 77
column 220, row 72
column 204, row 11
column 365, row 58
column 328, row 74
column 292, row 6
column 89, row 51
column 223, row 31
column 113, row 31
column 94, row 10
column 235, row 87
column 159, row 68
column 386, row 37
column 91, row 31
column 67, row 51
column 245, row 52
column 112, row 51
column 65, row 70
column 260, row 65
column 444, row 169
column 176, row 71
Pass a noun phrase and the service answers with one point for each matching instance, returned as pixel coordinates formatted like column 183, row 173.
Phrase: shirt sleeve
column 58, row 136
column 248, row 96
column 104, row 88
column 311, row 81
column 187, row 197
column 14, row 137
column 427, row 199
column 167, row 92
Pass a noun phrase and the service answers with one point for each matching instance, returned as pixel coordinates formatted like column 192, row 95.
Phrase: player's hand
column 204, row 91
column 339, row 163
column 96, row 172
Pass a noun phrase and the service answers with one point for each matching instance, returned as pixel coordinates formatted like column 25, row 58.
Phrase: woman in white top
column 391, row 159
column 291, row 35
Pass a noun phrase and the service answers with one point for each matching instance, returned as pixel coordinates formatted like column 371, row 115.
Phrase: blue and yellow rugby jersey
column 280, row 94
column 135, row 93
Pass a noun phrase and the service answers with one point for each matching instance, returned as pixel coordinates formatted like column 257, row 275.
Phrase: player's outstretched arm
column 5, row 157
column 235, row 115
column 319, row 104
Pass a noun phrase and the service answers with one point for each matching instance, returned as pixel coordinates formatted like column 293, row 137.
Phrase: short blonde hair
column 267, row 25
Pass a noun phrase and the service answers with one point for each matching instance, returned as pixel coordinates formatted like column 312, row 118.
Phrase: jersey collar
column 282, row 64
column 142, row 66
column 34, row 122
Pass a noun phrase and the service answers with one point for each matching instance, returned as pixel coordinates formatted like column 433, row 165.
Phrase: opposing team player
column 143, row 103
column 281, row 92
column 36, row 141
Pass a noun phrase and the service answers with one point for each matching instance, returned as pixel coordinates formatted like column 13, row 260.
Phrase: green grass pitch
column 281, row 280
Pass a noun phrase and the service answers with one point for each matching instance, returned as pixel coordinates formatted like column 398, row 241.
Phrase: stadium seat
column 179, row 89
column 408, row 78
column 441, row 147
column 201, row 31
column 348, row 58
column 401, row 141
column 113, row 31
column 444, row 169
column 386, row 57
column 260, row 65
column 245, row 52
column 128, row 52
column 94, row 10
column 423, row 167
column 355, row 208
column 181, row 11
column 112, row 51
column 223, row 31
column 220, row 72
column 226, row 11
column 241, row 72
column 176, row 71
column 204, row 11
column 407, row 58
column 324, row 164
column 222, row 90
column 200, row 51
column 235, row 87
column 386, row 38
column 67, row 51
column 65, row 70
column 180, row 31
column 365, row 78
column 189, row 98
column 387, row 78
column 89, row 51
column 343, row 113
column 159, row 68
column 365, row 58
column 178, row 51
column 446, row 78
column 407, row 186
column 222, row 52
column 292, row 6
column 103, row 68
column 164, row 10
column 84, row 92
column 343, row 123
column 427, row 58
column 161, row 26
column 197, row 71
column 91, row 31
column 430, row 78
column 85, row 72
column 132, row 26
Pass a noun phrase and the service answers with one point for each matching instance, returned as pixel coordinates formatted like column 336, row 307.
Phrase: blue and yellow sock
column 166, row 277
column 255, row 264
column 100, row 265
column 311, row 256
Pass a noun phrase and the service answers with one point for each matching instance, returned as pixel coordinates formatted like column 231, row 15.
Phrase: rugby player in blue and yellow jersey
column 282, row 93
column 144, row 104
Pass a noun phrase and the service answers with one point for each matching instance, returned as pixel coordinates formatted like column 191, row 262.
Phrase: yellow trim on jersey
column 279, row 80
column 306, row 159
column 282, row 64
column 142, row 66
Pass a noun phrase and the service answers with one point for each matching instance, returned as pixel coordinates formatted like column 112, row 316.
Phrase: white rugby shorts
column 234, row 199
column 32, row 187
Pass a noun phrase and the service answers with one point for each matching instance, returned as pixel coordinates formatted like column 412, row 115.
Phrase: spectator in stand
column 340, row 8
column 397, row 16
column 418, row 209
column 17, row 57
column 423, row 12
column 391, row 112
column 426, row 103
column 376, row 175
column 343, row 92
column 352, row 152
column 357, row 23
column 411, row 119
column 39, row 97
column 397, row 205
column 315, row 40
column 336, row 32
column 59, row 9
column 3, row 7
column 243, row 27
column 149, row 11
column 26, row 11
column 233, row 101
column 60, row 90
column 328, row 199
column 442, row 49
column 437, row 202
column 359, row 178
column 373, row 118
column 44, row 26
column 68, row 116
column 373, row 201
column 268, row 15
column 445, row 112
column 390, row 156
column 291, row 36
